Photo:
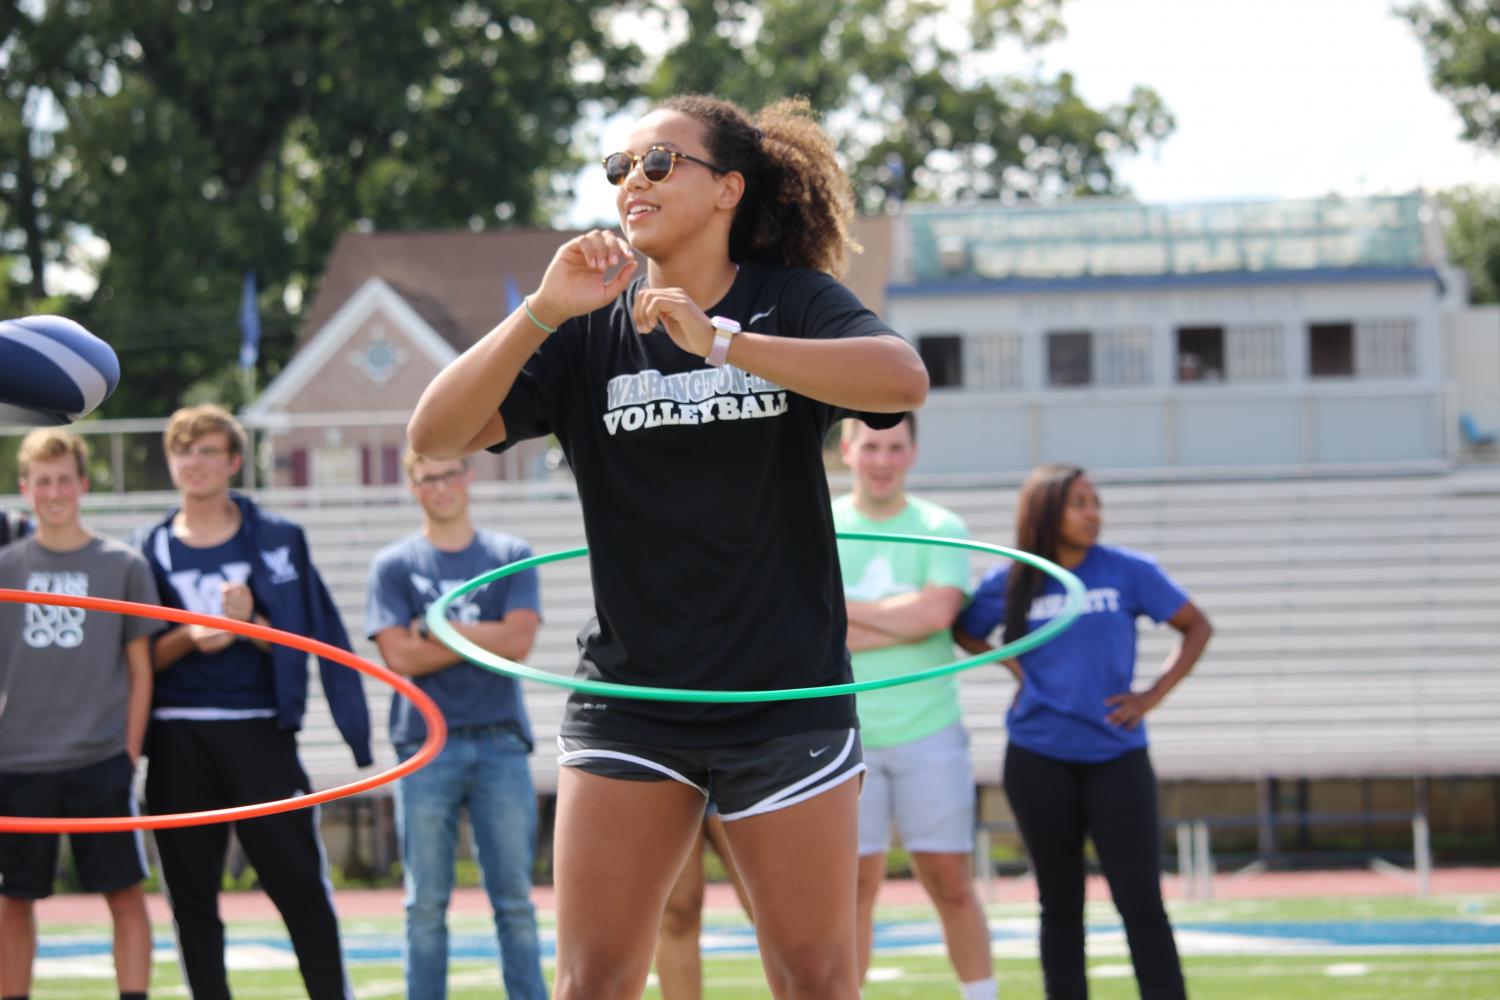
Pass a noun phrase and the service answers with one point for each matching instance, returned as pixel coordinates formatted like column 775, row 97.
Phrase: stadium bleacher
column 1358, row 619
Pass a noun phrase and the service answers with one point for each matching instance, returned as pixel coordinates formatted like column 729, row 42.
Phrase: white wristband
column 725, row 329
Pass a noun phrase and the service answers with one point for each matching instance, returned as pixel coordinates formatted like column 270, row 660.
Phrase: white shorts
column 927, row 787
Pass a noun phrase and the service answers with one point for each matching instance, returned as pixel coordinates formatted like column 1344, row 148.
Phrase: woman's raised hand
column 574, row 283
column 685, row 323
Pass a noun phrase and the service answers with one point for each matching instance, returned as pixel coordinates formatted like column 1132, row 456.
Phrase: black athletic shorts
column 744, row 780
column 106, row 862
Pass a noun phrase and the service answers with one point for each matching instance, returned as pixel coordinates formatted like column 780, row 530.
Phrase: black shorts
column 744, row 780
column 106, row 862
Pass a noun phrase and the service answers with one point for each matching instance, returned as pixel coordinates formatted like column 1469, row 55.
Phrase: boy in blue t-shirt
column 483, row 765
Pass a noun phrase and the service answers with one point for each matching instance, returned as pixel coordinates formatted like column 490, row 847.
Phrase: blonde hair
column 46, row 443
column 192, row 422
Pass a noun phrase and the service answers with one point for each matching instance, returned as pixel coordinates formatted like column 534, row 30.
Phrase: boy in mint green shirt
column 875, row 572
column 902, row 600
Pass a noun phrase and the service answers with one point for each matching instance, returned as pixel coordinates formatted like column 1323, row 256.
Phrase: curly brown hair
column 798, row 203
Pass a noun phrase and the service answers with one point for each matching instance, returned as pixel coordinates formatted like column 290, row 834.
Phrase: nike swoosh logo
column 757, row 316
column 817, row 753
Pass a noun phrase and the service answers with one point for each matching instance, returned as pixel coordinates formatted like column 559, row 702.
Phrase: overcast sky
column 1273, row 98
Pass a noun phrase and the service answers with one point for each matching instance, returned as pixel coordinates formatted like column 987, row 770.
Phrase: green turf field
column 1450, row 977
column 1384, row 968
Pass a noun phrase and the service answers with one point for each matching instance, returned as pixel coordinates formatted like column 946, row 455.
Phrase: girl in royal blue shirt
column 1077, row 764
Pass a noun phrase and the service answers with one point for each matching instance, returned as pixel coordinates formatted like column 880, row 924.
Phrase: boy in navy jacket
column 226, row 709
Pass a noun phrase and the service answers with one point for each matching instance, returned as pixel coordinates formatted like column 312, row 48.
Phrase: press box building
column 1176, row 337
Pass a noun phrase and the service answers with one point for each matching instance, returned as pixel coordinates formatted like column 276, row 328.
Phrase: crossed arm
column 904, row 618
column 410, row 655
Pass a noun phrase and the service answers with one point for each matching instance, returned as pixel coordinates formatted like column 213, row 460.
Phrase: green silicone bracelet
column 526, row 304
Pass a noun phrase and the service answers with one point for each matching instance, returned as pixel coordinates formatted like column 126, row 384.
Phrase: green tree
column 197, row 140
column 216, row 138
column 914, row 94
column 1462, row 40
column 1472, row 215
column 43, row 54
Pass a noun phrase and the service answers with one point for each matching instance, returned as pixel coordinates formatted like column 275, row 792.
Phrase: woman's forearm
column 458, row 413
column 1183, row 657
column 868, row 374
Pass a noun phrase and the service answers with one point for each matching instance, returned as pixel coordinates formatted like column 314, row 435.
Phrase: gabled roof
column 454, row 280
column 314, row 353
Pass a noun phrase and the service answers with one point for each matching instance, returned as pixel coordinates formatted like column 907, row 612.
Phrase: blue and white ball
column 52, row 371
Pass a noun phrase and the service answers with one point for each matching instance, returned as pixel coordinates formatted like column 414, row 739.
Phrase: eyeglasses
column 656, row 164
column 440, row 478
column 206, row 451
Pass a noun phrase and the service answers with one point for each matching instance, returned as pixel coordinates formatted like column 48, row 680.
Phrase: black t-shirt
column 706, row 508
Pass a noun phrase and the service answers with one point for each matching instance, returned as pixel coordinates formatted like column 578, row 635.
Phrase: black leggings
column 1056, row 804
column 220, row 763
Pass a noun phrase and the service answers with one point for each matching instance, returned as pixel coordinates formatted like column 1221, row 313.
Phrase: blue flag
column 513, row 295
column 249, row 324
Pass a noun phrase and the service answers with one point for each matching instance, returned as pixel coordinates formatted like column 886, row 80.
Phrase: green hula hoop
column 437, row 622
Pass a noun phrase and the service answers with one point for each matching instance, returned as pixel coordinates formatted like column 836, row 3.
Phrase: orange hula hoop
column 437, row 729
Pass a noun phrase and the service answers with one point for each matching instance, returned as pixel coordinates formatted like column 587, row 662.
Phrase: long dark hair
column 1039, row 514
column 798, row 203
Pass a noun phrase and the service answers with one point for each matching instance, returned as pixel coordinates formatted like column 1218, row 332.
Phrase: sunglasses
column 656, row 164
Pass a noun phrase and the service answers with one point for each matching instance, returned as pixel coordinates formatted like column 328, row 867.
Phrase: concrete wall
column 1154, row 429
column 1288, row 417
column 1473, row 345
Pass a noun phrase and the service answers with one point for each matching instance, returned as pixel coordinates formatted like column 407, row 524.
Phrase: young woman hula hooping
column 692, row 403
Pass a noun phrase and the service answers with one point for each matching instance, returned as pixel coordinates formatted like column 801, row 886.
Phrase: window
column 388, row 458
column 1330, row 349
column 1386, row 348
column 1255, row 352
column 994, row 361
column 1246, row 352
column 1200, row 354
column 1069, row 358
column 1123, row 357
column 335, row 465
column 943, row 354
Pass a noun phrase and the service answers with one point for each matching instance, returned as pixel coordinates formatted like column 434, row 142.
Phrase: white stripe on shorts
column 567, row 757
column 799, row 791
column 136, row 835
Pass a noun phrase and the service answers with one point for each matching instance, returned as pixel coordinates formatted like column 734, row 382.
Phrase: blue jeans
column 483, row 767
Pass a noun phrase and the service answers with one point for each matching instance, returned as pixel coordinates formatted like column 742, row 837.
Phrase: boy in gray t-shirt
column 75, row 691
column 67, row 679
